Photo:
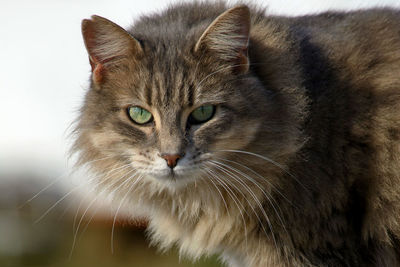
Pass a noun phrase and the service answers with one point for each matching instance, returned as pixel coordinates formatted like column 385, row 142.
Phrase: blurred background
column 44, row 73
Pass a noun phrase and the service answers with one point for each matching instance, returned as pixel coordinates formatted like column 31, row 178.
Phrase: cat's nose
column 171, row 159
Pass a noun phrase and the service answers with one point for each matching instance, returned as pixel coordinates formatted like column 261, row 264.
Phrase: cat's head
column 174, row 96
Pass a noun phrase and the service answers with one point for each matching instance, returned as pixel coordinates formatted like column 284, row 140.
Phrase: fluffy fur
column 300, row 164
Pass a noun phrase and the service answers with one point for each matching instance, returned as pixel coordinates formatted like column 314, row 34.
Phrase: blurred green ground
column 48, row 242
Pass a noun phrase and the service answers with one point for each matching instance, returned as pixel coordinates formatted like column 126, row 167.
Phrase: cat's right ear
column 107, row 44
column 228, row 38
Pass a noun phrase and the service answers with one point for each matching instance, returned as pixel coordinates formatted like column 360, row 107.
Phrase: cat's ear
column 107, row 44
column 228, row 38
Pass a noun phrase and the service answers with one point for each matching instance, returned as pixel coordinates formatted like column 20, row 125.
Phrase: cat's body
column 299, row 165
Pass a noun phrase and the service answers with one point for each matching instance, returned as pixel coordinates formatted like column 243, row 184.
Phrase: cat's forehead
column 170, row 76
column 171, row 84
column 170, row 79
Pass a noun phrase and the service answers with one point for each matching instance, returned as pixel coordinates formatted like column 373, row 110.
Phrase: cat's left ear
column 107, row 44
column 228, row 38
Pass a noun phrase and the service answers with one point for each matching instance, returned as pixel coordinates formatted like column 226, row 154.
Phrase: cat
column 269, row 140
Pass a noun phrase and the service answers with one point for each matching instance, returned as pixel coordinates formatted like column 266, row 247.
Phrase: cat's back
column 361, row 46
column 354, row 58
column 351, row 69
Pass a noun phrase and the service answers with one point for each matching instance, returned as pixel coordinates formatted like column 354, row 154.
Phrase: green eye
column 202, row 114
column 140, row 115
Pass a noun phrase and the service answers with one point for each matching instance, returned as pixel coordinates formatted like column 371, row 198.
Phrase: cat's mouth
column 172, row 174
column 176, row 175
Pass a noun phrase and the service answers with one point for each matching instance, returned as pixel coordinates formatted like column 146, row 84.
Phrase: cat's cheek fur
column 234, row 134
column 101, row 140
column 237, row 137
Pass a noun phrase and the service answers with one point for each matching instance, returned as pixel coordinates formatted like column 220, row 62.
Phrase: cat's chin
column 173, row 179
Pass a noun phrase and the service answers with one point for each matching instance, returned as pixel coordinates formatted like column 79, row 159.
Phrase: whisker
column 104, row 179
column 125, row 166
column 55, row 204
column 82, row 201
column 119, row 207
column 76, row 214
column 67, row 209
column 104, row 190
column 92, row 202
column 255, row 199
column 262, row 190
column 258, row 186
column 65, row 174
column 89, row 221
column 268, row 160
column 95, row 160
column 42, row 190
column 219, row 191
column 233, row 197
column 217, row 71
column 80, row 166
column 262, row 178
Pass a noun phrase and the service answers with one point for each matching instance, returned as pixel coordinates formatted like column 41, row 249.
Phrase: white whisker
column 268, row 160
column 55, row 204
column 261, row 177
column 42, row 190
column 262, row 190
column 258, row 186
column 119, row 207
column 234, row 198
column 59, row 178
column 92, row 202
column 233, row 176
column 217, row 71
column 220, row 193
column 105, row 178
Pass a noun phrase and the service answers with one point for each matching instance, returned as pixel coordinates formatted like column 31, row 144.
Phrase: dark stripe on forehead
column 164, row 83
column 157, row 88
column 187, row 87
column 180, row 89
column 149, row 90
column 167, row 92
column 189, row 94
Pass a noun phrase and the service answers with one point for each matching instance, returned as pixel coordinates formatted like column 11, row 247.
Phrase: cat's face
column 158, row 115
column 168, row 112
column 165, row 110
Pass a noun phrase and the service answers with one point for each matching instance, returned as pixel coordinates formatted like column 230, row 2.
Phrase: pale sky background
column 44, row 69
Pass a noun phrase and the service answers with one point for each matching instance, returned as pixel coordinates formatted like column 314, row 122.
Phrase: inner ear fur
column 107, row 43
column 228, row 37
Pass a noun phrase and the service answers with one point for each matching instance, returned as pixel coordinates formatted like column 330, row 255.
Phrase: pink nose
column 171, row 160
